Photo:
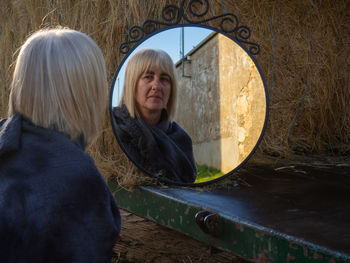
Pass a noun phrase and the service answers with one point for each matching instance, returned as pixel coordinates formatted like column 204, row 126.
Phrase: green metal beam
column 247, row 240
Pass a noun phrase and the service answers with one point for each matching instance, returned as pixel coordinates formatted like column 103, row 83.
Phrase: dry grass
column 304, row 56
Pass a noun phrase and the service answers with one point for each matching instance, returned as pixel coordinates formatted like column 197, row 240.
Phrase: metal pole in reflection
column 183, row 52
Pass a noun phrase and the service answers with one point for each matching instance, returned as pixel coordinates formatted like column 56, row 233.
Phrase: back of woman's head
column 140, row 63
column 60, row 83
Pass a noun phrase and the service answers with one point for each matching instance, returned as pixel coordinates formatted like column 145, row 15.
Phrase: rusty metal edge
column 245, row 239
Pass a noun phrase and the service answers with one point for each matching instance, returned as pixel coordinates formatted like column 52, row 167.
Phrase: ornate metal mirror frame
column 193, row 13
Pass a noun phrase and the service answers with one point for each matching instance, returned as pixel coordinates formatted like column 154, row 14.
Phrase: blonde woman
column 54, row 204
column 144, row 118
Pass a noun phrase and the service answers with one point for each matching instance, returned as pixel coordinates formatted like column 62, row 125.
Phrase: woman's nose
column 156, row 83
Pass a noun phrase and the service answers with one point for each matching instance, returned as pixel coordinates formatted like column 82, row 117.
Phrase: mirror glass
column 221, row 100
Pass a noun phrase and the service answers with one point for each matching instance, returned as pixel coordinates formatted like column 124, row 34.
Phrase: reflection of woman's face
column 152, row 91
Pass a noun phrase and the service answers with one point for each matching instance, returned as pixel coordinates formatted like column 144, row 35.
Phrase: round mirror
column 221, row 105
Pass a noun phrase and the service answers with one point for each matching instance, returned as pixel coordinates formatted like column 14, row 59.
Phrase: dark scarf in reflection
column 165, row 149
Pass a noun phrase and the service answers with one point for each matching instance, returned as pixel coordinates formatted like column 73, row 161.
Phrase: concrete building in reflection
column 221, row 102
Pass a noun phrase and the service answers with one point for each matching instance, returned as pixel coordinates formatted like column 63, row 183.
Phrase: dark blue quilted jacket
column 54, row 204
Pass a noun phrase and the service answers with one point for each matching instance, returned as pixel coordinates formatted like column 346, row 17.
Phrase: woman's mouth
column 154, row 97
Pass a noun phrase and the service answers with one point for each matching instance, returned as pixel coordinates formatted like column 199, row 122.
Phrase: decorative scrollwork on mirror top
column 172, row 15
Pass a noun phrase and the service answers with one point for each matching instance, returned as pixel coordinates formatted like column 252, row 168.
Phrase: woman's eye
column 165, row 79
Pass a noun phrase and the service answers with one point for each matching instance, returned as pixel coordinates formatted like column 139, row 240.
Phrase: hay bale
column 304, row 57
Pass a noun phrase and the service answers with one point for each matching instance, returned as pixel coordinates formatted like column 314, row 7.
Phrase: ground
column 142, row 240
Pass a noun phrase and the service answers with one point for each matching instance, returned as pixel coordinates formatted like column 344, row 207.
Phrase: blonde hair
column 140, row 63
column 60, row 83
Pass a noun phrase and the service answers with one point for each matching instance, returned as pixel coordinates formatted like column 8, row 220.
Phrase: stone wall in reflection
column 221, row 102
